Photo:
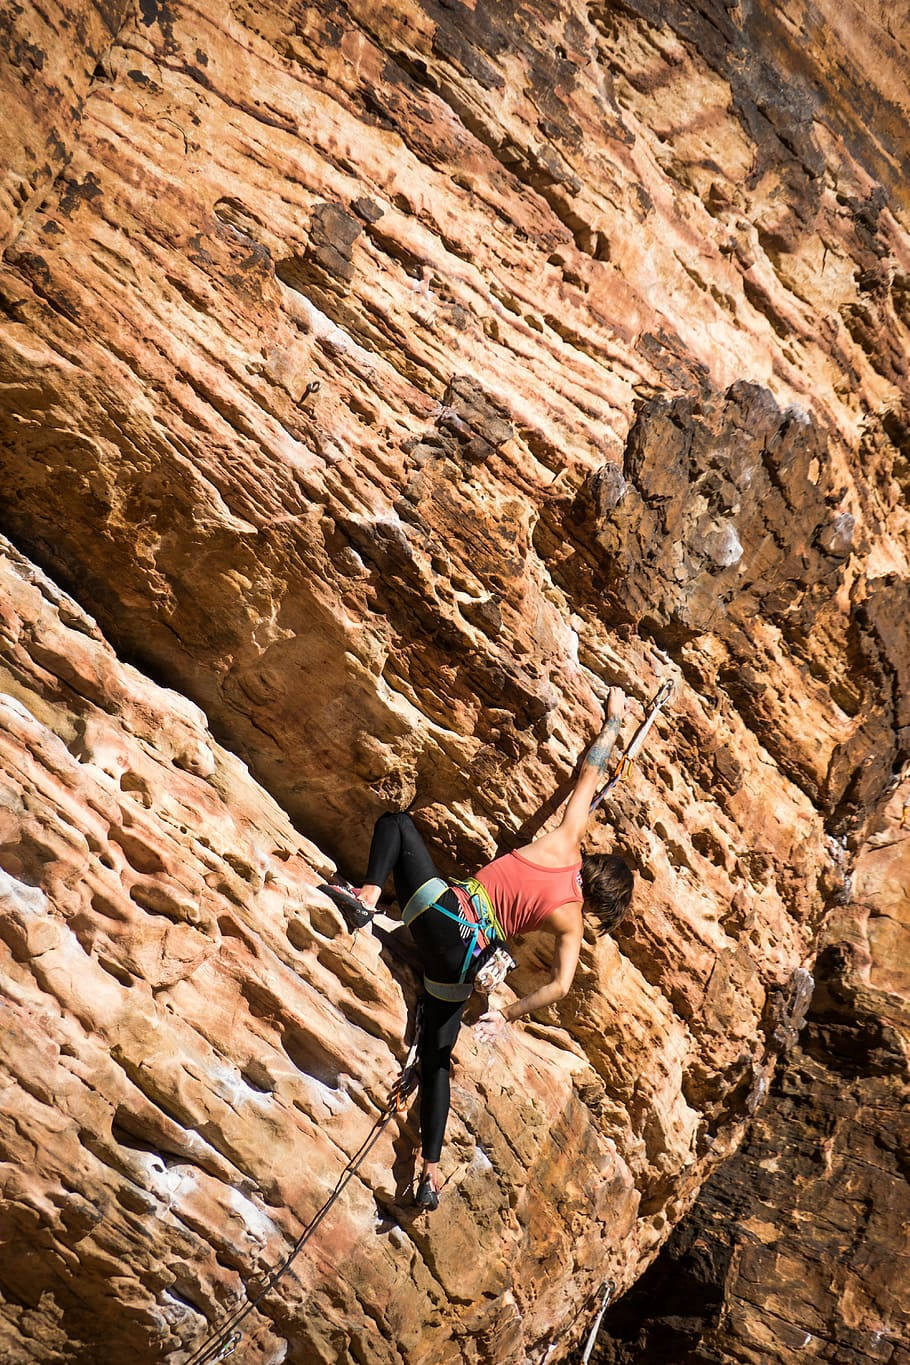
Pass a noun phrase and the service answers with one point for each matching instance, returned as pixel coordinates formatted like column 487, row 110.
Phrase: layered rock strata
column 388, row 382
column 193, row 1047
column 51, row 56
column 317, row 346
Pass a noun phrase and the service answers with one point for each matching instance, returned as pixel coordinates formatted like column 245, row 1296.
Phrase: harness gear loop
column 623, row 765
column 485, row 926
column 453, row 991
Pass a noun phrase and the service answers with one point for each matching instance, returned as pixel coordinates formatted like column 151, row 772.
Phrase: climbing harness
column 485, row 963
column 623, row 765
column 608, row 1289
column 220, row 1344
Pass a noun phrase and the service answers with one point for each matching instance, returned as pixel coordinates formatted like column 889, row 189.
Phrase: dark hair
column 607, row 882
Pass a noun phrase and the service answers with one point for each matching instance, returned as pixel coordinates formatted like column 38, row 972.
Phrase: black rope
column 218, row 1345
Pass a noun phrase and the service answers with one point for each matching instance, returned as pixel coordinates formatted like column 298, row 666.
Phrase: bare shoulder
column 555, row 849
column 565, row 920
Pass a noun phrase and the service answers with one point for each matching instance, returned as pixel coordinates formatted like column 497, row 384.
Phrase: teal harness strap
column 468, row 924
column 427, row 896
column 423, row 898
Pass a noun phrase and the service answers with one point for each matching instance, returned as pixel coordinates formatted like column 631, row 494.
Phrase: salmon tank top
column 524, row 893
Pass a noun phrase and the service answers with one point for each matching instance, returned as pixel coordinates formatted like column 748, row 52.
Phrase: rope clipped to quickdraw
column 623, row 765
column 223, row 1342
column 592, row 1335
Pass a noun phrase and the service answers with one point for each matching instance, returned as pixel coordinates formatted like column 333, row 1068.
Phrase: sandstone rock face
column 193, row 1047
column 481, row 292
column 50, row 60
column 387, row 381
column 797, row 1248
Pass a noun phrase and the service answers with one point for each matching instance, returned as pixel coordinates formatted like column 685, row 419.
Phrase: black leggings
column 399, row 849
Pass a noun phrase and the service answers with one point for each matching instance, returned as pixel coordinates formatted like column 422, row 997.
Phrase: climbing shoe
column 426, row 1197
column 349, row 903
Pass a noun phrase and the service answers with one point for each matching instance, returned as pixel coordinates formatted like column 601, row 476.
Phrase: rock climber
column 548, row 884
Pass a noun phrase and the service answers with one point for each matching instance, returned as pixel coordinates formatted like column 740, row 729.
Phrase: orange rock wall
column 51, row 58
column 388, row 382
column 193, row 1048
column 797, row 1246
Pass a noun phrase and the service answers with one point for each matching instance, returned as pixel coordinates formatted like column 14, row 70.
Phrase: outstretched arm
column 594, row 769
column 562, row 973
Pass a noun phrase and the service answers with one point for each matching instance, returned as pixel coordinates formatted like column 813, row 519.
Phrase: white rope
column 592, row 1335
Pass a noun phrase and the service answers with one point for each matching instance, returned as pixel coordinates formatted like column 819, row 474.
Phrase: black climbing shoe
column 349, row 903
column 426, row 1197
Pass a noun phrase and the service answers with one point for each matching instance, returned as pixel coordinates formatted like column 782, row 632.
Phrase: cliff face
column 387, row 382
column 797, row 1246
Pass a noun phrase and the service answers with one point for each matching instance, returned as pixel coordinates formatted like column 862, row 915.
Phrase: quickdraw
column 606, row 1292
column 227, row 1349
column 623, row 765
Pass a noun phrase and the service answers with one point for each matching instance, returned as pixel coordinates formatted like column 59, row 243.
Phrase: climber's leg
column 441, row 1021
column 396, row 848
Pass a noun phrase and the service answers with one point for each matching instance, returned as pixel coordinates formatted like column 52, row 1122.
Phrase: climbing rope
column 623, row 765
column 221, row 1343
column 592, row 1335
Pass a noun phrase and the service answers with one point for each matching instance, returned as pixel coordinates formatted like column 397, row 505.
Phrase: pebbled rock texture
column 193, row 1047
column 387, row 381
column 797, row 1247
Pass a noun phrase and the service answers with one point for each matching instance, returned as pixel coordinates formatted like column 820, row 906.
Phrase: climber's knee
column 394, row 817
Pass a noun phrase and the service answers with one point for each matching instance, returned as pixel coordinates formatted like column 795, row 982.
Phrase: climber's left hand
column 490, row 1026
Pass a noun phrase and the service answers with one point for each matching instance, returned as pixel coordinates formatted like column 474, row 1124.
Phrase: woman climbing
column 458, row 926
